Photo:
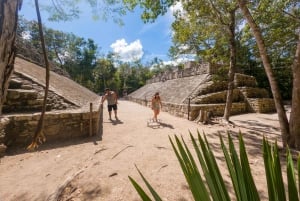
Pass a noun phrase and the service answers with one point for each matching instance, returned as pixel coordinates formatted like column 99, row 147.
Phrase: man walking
column 112, row 101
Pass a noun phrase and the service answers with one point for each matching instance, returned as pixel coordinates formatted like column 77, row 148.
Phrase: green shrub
column 238, row 166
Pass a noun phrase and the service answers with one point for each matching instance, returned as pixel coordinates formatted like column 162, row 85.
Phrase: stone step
column 21, row 94
column 261, row 105
column 217, row 97
column 250, row 92
column 23, row 108
column 15, row 83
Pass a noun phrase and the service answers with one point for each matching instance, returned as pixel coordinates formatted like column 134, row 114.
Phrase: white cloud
column 176, row 8
column 26, row 35
column 128, row 52
column 182, row 59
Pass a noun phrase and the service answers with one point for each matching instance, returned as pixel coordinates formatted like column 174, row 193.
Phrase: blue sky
column 133, row 40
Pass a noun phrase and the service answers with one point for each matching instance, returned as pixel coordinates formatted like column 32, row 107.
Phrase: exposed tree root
column 121, row 151
column 224, row 122
column 58, row 193
column 39, row 139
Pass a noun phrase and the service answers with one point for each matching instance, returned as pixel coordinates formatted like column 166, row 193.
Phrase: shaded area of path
column 94, row 169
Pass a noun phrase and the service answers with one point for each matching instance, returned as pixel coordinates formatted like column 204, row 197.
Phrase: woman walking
column 156, row 105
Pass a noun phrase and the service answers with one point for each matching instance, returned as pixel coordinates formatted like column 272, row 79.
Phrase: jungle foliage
column 206, row 182
column 81, row 59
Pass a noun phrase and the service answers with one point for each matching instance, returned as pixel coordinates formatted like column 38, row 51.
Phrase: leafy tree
column 57, row 44
column 39, row 133
column 124, row 73
column 8, row 29
column 104, row 73
column 280, row 42
column 156, row 66
column 278, row 10
column 211, row 34
column 136, row 76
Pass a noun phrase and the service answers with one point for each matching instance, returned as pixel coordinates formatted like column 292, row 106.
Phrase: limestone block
column 212, row 87
column 64, row 106
column 64, row 115
column 86, row 116
column 51, row 116
column 241, row 80
column 76, row 116
column 32, row 123
column 26, row 86
column 25, row 133
column 2, row 150
column 12, row 94
column 53, row 129
column 3, row 122
column 28, row 94
column 218, row 97
column 35, row 102
column 22, row 118
column 262, row 105
column 251, row 92
column 15, row 83
column 36, row 116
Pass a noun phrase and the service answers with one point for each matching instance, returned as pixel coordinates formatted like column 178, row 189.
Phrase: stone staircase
column 191, row 92
column 21, row 97
column 246, row 91
column 24, row 95
column 172, row 91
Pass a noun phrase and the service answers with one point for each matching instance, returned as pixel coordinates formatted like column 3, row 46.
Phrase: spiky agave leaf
column 292, row 184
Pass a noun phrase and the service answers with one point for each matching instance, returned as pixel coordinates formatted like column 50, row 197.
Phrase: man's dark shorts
column 110, row 107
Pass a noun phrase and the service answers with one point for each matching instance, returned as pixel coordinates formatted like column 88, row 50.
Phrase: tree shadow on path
column 56, row 144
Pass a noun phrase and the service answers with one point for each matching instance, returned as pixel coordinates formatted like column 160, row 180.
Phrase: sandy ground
column 98, row 169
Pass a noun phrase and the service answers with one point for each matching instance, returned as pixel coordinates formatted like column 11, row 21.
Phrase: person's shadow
column 166, row 125
column 115, row 122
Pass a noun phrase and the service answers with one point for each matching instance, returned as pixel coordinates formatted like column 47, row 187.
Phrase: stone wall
column 181, row 110
column 3, row 122
column 241, row 80
column 194, row 84
column 190, row 69
column 218, row 97
column 250, row 92
column 261, row 105
column 57, row 126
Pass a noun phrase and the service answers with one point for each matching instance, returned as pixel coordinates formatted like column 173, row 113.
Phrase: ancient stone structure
column 24, row 95
column 187, row 91
column 72, row 110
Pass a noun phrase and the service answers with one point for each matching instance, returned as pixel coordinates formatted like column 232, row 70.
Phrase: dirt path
column 94, row 169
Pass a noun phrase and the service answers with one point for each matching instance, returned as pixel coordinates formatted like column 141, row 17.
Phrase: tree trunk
column 232, row 66
column 8, row 29
column 39, row 135
column 283, row 121
column 295, row 110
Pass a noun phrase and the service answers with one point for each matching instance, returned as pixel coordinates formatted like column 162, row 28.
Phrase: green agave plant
column 212, row 186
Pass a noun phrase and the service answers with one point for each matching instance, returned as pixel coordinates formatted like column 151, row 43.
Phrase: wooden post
column 100, row 127
column 189, row 108
column 91, row 119
column 201, row 114
column 205, row 120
